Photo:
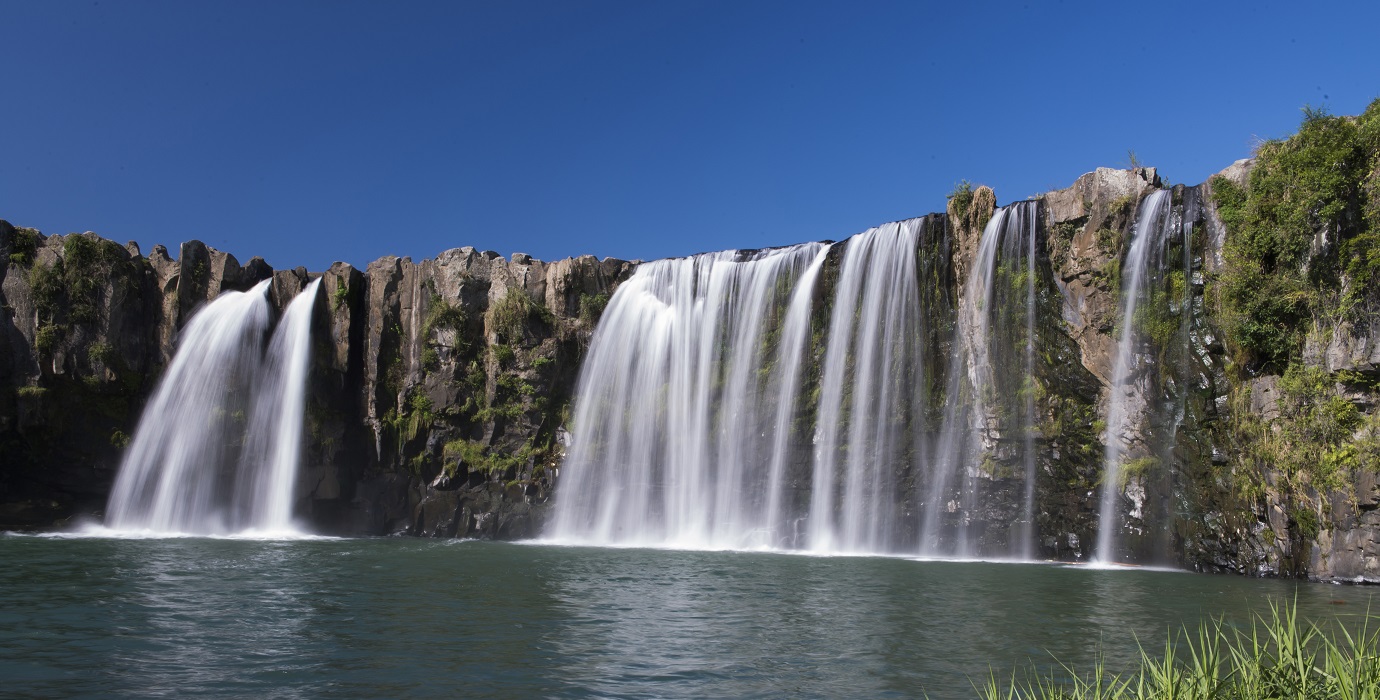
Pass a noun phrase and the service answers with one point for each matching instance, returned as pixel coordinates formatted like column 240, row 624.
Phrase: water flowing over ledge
column 770, row 401
column 217, row 449
column 839, row 399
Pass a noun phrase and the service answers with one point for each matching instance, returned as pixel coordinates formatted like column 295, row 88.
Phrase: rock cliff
column 441, row 389
column 435, row 405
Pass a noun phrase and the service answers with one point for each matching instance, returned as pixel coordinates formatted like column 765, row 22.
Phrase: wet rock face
column 466, row 367
column 441, row 388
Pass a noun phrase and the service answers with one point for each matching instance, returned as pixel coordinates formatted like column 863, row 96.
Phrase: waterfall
column 1127, row 400
column 273, row 445
column 690, row 367
column 993, row 346
column 778, row 399
column 217, row 447
column 1024, row 546
column 795, row 334
column 872, row 384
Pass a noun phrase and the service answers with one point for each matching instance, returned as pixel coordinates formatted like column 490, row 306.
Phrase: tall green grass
column 1276, row 657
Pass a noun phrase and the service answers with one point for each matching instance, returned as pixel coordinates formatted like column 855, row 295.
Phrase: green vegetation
column 1304, row 241
column 1109, row 240
column 1159, row 316
column 46, row 285
column 1315, row 436
column 1276, row 657
column 960, row 198
column 970, row 207
column 431, row 359
column 473, row 385
column 24, row 245
column 1137, row 467
column 69, row 292
column 87, row 262
column 510, row 316
column 444, row 315
column 101, row 354
column 442, row 329
column 31, row 392
column 504, row 355
column 341, row 297
column 1302, row 258
column 416, row 415
column 46, row 339
column 1123, row 206
column 481, row 458
column 1062, row 240
column 592, row 308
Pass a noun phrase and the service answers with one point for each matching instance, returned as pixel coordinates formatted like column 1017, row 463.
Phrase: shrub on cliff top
column 1304, row 239
column 23, row 245
column 960, row 199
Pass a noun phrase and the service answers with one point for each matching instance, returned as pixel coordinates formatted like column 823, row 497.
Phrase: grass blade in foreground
column 1278, row 657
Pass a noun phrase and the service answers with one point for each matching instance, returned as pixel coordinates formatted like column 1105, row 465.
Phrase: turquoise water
column 425, row 618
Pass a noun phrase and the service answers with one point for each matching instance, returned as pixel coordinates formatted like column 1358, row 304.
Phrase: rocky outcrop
column 1087, row 226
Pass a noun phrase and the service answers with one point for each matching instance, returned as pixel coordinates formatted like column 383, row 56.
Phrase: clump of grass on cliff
column 511, row 316
column 961, row 198
column 971, row 206
column 1278, row 656
column 23, row 246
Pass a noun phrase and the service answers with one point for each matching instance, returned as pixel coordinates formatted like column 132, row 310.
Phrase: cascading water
column 728, row 403
column 690, row 366
column 217, row 447
column 1127, row 400
column 273, row 445
column 711, row 413
column 992, row 338
column 873, row 383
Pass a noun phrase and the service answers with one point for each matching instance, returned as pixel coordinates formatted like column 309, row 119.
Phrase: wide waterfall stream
column 745, row 400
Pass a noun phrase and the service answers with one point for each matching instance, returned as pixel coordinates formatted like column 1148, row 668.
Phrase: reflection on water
column 393, row 618
column 254, row 597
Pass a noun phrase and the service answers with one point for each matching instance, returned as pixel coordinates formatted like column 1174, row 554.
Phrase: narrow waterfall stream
column 273, row 446
column 217, row 448
column 993, row 336
column 872, row 384
column 1126, row 403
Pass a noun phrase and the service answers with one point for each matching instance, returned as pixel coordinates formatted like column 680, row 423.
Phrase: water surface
column 426, row 618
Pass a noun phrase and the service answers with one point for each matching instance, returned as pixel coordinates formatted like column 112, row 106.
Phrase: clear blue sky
column 308, row 132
